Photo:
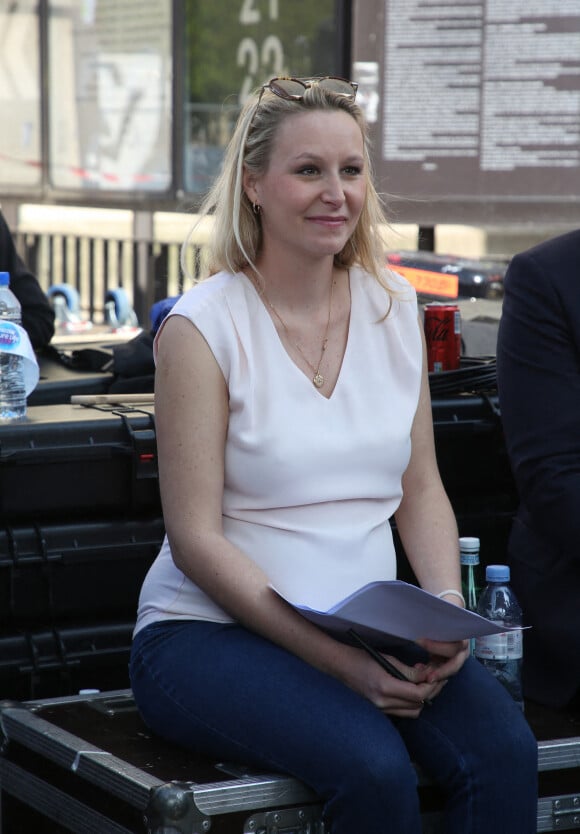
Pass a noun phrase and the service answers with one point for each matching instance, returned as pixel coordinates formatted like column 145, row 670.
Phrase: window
column 110, row 76
column 231, row 47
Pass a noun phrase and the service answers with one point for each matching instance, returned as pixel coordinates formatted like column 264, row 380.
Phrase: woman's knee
column 509, row 738
column 377, row 779
column 518, row 748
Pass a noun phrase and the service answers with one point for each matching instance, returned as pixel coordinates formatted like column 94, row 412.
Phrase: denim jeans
column 222, row 691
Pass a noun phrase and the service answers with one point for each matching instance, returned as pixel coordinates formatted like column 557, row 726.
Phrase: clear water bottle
column 470, row 574
column 12, row 388
column 502, row 654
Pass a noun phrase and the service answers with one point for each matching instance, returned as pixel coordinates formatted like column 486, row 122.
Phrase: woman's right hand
column 404, row 699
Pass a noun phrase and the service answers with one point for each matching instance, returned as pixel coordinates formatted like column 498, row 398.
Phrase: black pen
column 382, row 661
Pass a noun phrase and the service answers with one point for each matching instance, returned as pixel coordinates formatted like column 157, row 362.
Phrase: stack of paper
column 386, row 613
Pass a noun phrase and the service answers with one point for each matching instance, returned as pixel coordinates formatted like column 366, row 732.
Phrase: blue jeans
column 227, row 693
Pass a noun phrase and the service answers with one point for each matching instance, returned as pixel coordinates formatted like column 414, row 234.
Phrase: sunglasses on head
column 293, row 89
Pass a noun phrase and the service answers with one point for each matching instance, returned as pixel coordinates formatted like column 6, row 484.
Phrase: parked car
column 449, row 277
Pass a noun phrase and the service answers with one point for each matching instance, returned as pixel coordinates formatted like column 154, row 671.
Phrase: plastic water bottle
column 470, row 575
column 502, row 654
column 12, row 389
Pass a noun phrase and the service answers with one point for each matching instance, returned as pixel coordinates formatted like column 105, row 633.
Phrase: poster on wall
column 481, row 103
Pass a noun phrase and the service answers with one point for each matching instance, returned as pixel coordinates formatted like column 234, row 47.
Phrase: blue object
column 69, row 293
column 497, row 573
column 160, row 310
column 118, row 309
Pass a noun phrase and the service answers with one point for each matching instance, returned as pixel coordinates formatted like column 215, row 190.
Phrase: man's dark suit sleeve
column 538, row 364
column 37, row 314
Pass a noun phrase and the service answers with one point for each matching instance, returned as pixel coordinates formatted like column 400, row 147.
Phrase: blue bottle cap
column 4, row 279
column 497, row 573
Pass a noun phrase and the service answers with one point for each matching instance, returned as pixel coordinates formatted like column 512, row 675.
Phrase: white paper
column 393, row 612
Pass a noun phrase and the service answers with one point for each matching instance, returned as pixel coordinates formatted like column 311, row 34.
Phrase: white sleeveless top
column 310, row 482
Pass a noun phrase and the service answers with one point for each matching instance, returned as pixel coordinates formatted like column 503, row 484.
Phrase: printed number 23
column 271, row 56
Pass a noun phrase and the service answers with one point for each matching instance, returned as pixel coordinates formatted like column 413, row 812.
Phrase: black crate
column 471, row 453
column 57, row 573
column 54, row 661
column 67, row 462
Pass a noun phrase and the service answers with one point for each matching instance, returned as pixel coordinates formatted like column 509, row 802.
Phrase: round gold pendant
column 318, row 380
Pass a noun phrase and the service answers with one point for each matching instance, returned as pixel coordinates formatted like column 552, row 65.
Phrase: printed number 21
column 249, row 14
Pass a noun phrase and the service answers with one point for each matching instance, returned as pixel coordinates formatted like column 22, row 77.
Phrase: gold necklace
column 318, row 378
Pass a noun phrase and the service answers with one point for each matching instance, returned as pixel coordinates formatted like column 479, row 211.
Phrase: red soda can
column 443, row 336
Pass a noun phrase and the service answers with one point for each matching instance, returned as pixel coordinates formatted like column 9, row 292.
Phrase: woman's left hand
column 445, row 659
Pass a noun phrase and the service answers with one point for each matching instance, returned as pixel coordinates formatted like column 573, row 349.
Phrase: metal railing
column 147, row 270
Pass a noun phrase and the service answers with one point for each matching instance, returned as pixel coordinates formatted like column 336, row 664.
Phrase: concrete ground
column 479, row 322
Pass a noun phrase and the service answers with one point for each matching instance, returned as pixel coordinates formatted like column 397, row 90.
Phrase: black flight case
column 70, row 461
column 88, row 764
column 80, row 524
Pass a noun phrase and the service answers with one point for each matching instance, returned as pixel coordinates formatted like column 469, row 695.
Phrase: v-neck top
column 310, row 481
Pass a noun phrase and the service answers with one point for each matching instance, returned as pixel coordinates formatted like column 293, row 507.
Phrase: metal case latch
column 144, row 444
column 566, row 812
column 287, row 821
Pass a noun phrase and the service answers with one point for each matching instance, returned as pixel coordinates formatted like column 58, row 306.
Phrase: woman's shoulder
column 205, row 293
column 211, row 306
column 222, row 294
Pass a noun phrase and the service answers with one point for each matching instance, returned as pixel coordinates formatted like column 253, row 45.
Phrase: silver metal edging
column 88, row 761
column 559, row 753
column 250, row 793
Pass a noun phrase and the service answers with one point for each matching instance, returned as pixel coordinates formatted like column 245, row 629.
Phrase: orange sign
column 432, row 283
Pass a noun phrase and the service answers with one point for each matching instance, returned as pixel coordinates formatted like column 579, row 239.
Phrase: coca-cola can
column 443, row 336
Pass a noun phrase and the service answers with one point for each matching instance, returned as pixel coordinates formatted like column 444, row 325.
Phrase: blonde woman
column 293, row 419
